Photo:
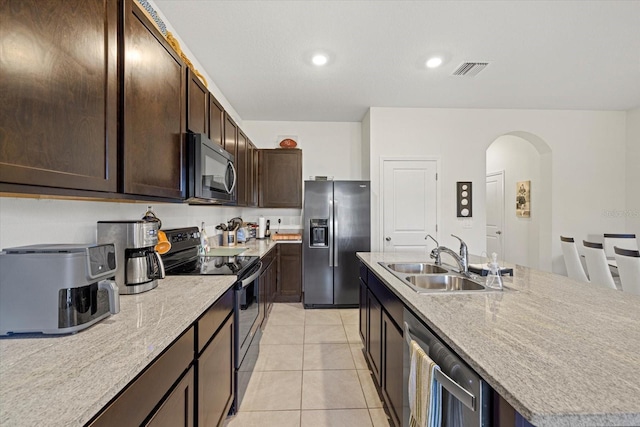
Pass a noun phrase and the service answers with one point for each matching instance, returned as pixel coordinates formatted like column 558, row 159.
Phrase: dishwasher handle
column 460, row 393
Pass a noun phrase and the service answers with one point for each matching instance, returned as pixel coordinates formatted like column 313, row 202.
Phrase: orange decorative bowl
column 288, row 143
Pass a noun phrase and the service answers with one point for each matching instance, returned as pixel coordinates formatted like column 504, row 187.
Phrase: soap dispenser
column 494, row 279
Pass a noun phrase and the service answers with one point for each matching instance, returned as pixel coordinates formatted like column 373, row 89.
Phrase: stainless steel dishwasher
column 465, row 396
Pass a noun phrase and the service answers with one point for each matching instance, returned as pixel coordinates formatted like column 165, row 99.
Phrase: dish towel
column 425, row 393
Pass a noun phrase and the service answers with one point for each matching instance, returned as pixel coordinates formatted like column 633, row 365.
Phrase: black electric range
column 184, row 259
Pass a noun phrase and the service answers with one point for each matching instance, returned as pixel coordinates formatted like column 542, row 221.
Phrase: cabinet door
column 241, row 168
column 197, row 104
column 215, row 377
column 264, row 304
column 154, row 113
column 178, row 407
column 289, row 272
column 363, row 313
column 374, row 339
column 273, row 281
column 393, row 347
column 58, row 115
column 216, row 121
column 252, row 174
column 280, row 178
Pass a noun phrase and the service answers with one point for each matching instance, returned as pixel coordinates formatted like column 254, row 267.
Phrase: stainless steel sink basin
column 443, row 283
column 416, row 268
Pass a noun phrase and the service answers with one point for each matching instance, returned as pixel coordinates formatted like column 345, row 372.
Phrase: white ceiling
column 542, row 54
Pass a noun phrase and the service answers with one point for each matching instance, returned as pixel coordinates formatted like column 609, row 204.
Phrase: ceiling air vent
column 470, row 68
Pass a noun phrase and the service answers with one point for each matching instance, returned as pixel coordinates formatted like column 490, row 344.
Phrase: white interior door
column 495, row 214
column 409, row 198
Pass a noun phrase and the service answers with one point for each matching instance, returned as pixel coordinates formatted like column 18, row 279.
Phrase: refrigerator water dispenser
column 319, row 233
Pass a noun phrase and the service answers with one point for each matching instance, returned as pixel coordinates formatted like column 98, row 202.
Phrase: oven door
column 212, row 176
column 247, row 311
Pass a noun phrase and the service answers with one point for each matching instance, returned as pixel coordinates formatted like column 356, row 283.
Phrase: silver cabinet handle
column 388, row 239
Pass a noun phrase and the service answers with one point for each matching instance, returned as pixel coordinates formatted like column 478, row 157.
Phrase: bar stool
column 599, row 272
column 629, row 269
column 623, row 241
column 572, row 259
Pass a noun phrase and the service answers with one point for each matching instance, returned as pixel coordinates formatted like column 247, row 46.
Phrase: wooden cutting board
column 285, row 236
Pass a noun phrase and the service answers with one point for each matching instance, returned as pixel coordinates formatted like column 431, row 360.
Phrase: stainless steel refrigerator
column 337, row 224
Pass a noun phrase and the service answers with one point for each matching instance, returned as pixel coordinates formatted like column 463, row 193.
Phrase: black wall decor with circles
column 463, row 199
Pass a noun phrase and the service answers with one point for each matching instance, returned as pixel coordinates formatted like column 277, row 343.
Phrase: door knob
column 388, row 239
column 498, row 232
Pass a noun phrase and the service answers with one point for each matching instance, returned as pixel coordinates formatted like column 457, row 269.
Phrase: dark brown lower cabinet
column 391, row 372
column 268, row 278
column 215, row 377
column 138, row 402
column 381, row 314
column 374, row 339
column 289, row 272
column 178, row 407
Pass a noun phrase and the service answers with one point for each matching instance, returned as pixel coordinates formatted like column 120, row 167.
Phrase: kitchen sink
column 426, row 278
column 416, row 268
column 443, row 283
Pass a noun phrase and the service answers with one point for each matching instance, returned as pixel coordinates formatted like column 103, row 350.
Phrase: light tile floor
column 310, row 372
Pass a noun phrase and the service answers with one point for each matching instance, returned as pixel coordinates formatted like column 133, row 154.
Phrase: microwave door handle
column 233, row 184
column 460, row 393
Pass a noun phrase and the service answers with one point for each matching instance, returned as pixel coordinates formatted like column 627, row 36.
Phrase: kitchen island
column 562, row 353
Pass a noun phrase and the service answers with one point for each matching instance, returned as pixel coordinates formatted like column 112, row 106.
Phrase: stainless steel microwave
column 211, row 176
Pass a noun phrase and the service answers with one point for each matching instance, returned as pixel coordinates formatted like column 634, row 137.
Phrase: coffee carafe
column 139, row 265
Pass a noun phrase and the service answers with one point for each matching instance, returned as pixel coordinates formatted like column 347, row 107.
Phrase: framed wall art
column 523, row 199
column 464, row 208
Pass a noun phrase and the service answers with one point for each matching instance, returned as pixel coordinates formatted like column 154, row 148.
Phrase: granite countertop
column 562, row 353
column 66, row 380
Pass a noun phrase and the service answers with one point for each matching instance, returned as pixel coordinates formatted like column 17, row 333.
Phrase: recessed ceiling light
column 319, row 59
column 434, row 62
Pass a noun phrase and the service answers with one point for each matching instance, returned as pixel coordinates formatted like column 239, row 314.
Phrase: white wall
column 328, row 148
column 632, row 212
column 587, row 149
column 366, row 146
column 28, row 221
column 520, row 161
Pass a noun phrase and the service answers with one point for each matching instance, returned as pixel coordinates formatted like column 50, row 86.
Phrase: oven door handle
column 247, row 281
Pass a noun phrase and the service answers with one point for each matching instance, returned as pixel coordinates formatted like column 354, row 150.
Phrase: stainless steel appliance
column 337, row 225
column 56, row 289
column 465, row 396
column 139, row 265
column 211, row 176
column 183, row 259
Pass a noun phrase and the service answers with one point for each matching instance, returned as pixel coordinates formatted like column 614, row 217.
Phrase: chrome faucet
column 462, row 259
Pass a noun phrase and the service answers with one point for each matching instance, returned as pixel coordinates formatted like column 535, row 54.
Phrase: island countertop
column 66, row 380
column 562, row 353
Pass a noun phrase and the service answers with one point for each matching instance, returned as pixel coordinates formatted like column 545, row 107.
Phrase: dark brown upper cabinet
column 58, row 115
column 242, row 168
column 216, row 121
column 197, row 104
column 154, row 112
column 252, row 175
column 280, row 178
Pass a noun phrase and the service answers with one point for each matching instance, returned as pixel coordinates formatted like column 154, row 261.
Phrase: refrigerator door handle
column 331, row 237
column 336, row 238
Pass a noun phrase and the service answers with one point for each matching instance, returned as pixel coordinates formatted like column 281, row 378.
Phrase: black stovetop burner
column 183, row 258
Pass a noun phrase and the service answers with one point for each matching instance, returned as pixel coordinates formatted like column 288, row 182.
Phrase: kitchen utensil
column 163, row 245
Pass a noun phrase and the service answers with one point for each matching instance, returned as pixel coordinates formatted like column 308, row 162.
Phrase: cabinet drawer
column 139, row 399
column 363, row 273
column 213, row 318
column 388, row 300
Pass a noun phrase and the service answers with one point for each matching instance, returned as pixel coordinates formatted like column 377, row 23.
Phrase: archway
column 526, row 231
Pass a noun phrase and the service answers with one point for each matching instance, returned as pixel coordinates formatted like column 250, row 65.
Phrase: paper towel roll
column 262, row 226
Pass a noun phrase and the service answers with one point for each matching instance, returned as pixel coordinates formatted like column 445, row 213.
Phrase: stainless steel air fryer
column 139, row 265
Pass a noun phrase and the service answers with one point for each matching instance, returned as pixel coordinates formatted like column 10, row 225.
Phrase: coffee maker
column 139, row 265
